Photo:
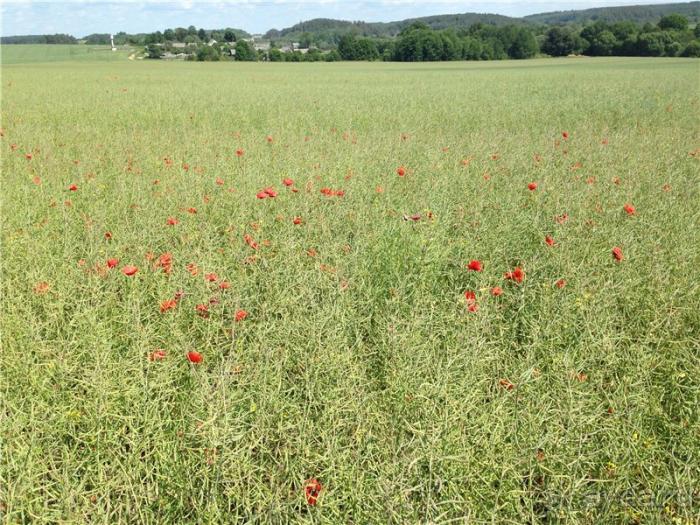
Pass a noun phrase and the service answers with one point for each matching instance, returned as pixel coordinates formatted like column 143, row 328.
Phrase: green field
column 359, row 362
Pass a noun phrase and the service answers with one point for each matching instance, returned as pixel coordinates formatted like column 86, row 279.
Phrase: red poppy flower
column 41, row 288
column 111, row 263
column 666, row 187
column 239, row 152
column 270, row 192
column 496, row 291
column 73, row 187
column 202, row 310
column 340, row 193
column 473, row 307
column 240, row 315
column 194, row 357
column 261, row 195
column 129, row 270
column 532, row 186
column 168, row 304
column 549, row 240
column 224, row 285
column 219, row 181
column 157, row 355
column 561, row 219
column 617, row 253
column 108, row 235
column 165, row 261
column 506, row 384
column 311, row 252
column 179, row 295
column 36, row 180
column 250, row 242
column 192, row 211
column 401, row 171
column 297, row 220
column 516, row 275
column 629, row 209
column 470, row 296
column 326, row 191
column 560, row 283
column 185, row 166
column 28, row 156
column 287, row 182
column 312, row 489
column 616, row 181
column 172, row 221
column 269, row 139
column 211, row 277
column 565, row 134
column 475, row 266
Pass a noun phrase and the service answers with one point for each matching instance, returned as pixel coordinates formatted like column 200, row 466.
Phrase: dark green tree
column 245, row 52
column 673, row 22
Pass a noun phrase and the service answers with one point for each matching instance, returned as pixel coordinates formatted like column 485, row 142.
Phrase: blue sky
column 82, row 17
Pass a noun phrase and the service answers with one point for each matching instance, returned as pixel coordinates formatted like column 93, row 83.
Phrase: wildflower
column 111, row 263
column 401, row 171
column 157, row 355
column 108, row 236
column 192, row 269
column 516, row 275
column 219, row 181
column 561, row 219
column 269, row 139
column 506, row 384
column 168, row 304
column 250, row 242
column 549, row 240
column 194, row 357
column 172, row 221
column 470, row 296
column 496, row 291
column 629, row 209
column 475, row 266
column 36, row 180
column 211, row 277
column 129, row 270
column 240, row 315
column 165, row 261
column 239, row 152
column 202, row 310
column 287, row 182
column 41, row 287
column 565, row 135
column 73, row 187
column 561, row 283
column 192, row 211
column 617, row 253
column 270, row 192
column 532, row 186
column 312, row 489
column 297, row 220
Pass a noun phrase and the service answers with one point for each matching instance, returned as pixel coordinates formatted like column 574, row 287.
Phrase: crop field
column 349, row 293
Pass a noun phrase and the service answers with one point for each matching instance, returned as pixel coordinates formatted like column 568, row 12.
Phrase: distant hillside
column 39, row 39
column 640, row 14
column 387, row 29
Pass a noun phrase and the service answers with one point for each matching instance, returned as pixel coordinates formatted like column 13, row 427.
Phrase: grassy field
column 341, row 346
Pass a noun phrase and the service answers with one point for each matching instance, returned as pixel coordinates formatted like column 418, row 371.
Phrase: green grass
column 360, row 366
column 36, row 53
